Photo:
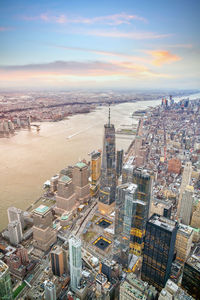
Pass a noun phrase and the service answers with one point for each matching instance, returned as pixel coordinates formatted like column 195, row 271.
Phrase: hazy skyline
column 116, row 44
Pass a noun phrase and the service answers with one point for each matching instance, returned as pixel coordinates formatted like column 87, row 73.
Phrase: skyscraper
column 191, row 275
column 6, row 292
column 80, row 182
column 186, row 205
column 120, row 154
column 66, row 197
column 144, row 181
column 15, row 214
column 95, row 172
column 49, row 290
column 183, row 242
column 186, row 177
column 15, row 232
column 57, row 262
column 108, row 170
column 125, row 212
column 75, row 262
column 43, row 234
column 158, row 250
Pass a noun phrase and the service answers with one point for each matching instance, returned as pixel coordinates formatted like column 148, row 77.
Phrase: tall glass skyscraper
column 125, row 212
column 144, row 181
column 6, row 292
column 75, row 262
column 108, row 169
column 158, row 250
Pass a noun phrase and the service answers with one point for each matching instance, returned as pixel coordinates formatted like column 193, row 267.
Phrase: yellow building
column 196, row 217
column 95, row 172
column 183, row 242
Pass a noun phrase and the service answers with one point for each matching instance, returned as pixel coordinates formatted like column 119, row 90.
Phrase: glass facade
column 158, row 250
column 125, row 211
column 6, row 292
column 144, row 182
column 191, row 278
column 108, row 167
column 75, row 262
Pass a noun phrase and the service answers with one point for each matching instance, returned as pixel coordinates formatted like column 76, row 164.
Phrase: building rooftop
column 3, row 268
column 163, row 222
column 65, row 178
column 185, row 230
column 135, row 286
column 80, row 165
column 56, row 249
column 42, row 209
column 194, row 260
column 130, row 187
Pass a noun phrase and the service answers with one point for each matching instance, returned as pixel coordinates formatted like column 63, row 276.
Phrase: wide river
column 29, row 158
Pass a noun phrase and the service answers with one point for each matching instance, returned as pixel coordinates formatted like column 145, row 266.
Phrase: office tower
column 186, row 177
column 186, row 205
column 133, row 288
column 195, row 222
column 15, row 214
column 128, row 210
column 15, row 232
column 65, row 248
column 161, row 207
column 49, row 290
column 6, row 292
column 191, row 275
column 80, row 182
column 127, row 170
column 43, row 234
column 66, row 197
column 75, row 262
column 95, row 172
column 57, row 262
column 144, row 181
column 120, row 154
column 183, row 242
column 108, row 171
column 158, row 250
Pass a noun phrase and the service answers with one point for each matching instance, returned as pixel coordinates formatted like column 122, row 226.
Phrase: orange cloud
column 161, row 57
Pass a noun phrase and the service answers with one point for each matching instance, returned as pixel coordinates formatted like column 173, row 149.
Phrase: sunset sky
column 100, row 44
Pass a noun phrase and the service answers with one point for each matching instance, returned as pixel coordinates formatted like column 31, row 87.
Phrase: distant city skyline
column 87, row 44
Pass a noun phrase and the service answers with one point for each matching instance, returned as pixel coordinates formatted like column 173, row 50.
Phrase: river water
column 29, row 158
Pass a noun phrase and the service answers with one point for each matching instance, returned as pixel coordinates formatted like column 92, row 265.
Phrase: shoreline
column 40, row 195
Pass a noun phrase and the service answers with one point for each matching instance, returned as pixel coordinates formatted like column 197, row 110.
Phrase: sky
column 129, row 44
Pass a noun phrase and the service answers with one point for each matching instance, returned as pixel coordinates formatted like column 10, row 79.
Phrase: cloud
column 128, row 35
column 115, row 19
column 4, row 29
column 161, row 57
column 185, row 46
column 106, row 53
column 69, row 69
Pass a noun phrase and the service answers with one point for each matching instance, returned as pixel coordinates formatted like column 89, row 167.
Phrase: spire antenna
column 109, row 115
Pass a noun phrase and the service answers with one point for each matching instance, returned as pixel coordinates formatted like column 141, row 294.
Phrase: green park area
column 19, row 289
